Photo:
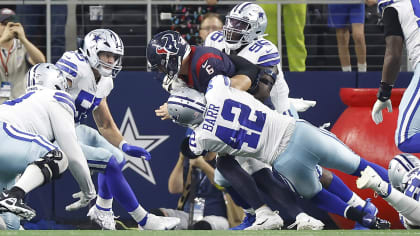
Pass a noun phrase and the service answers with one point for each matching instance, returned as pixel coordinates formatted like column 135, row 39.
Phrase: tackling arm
column 65, row 136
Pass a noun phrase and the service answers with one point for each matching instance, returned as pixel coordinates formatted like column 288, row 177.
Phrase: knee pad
column 52, row 165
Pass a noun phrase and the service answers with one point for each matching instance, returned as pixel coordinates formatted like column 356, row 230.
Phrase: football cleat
column 370, row 179
column 266, row 220
column 15, row 205
column 247, row 222
column 154, row 222
column 370, row 209
column 105, row 219
column 306, row 222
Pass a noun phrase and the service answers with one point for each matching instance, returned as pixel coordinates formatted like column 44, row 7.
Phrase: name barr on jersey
column 210, row 117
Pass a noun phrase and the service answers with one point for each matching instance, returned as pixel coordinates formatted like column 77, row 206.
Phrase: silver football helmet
column 244, row 23
column 45, row 75
column 186, row 106
column 103, row 40
column 398, row 167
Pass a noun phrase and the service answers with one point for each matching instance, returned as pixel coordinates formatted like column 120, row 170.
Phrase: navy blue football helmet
column 165, row 53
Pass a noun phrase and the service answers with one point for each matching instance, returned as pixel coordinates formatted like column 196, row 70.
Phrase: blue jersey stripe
column 270, row 63
column 275, row 55
column 66, row 95
column 20, row 135
column 66, row 69
column 97, row 162
column 402, row 133
column 244, row 6
column 66, row 101
column 68, row 63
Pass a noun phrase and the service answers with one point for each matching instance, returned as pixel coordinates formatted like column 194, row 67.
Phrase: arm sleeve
column 391, row 21
column 65, row 134
column 244, row 67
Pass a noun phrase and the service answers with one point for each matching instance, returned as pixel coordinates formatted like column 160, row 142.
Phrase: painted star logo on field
column 149, row 142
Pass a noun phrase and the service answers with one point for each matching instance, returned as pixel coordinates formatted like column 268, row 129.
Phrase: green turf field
column 207, row 233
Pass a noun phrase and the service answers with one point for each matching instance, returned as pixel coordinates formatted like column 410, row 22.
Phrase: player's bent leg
column 331, row 203
column 40, row 172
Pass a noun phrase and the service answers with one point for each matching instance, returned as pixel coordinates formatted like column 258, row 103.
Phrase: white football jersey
column 50, row 113
column 237, row 124
column 42, row 116
column 86, row 92
column 409, row 17
column 261, row 52
column 412, row 179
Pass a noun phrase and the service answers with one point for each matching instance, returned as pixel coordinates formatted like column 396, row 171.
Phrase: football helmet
column 244, row 23
column 398, row 167
column 45, row 75
column 186, row 106
column 165, row 53
column 103, row 40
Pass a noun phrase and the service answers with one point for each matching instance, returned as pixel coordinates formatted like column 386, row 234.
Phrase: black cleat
column 10, row 203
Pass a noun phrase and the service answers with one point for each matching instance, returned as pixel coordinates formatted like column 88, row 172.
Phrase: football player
column 91, row 70
column 233, row 123
column 243, row 34
column 400, row 19
column 26, row 143
column 403, row 192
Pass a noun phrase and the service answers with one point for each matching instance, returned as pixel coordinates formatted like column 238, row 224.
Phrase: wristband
column 384, row 92
column 120, row 146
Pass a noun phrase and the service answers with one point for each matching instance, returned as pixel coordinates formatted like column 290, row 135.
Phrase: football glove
column 377, row 110
column 135, row 151
column 83, row 201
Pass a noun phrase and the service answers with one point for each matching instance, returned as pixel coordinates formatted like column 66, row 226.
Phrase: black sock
column 17, row 192
column 354, row 214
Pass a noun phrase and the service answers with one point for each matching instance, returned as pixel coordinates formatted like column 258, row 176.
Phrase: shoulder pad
column 72, row 64
column 66, row 101
column 261, row 52
column 215, row 40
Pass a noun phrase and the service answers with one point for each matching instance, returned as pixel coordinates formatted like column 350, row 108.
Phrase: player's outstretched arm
column 392, row 62
column 66, row 138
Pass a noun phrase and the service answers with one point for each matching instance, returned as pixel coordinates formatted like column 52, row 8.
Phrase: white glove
column 301, row 105
column 82, row 202
column 377, row 110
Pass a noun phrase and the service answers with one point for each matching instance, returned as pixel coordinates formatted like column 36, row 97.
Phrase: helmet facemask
column 237, row 32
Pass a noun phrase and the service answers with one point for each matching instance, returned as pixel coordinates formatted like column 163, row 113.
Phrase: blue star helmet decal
column 97, row 37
